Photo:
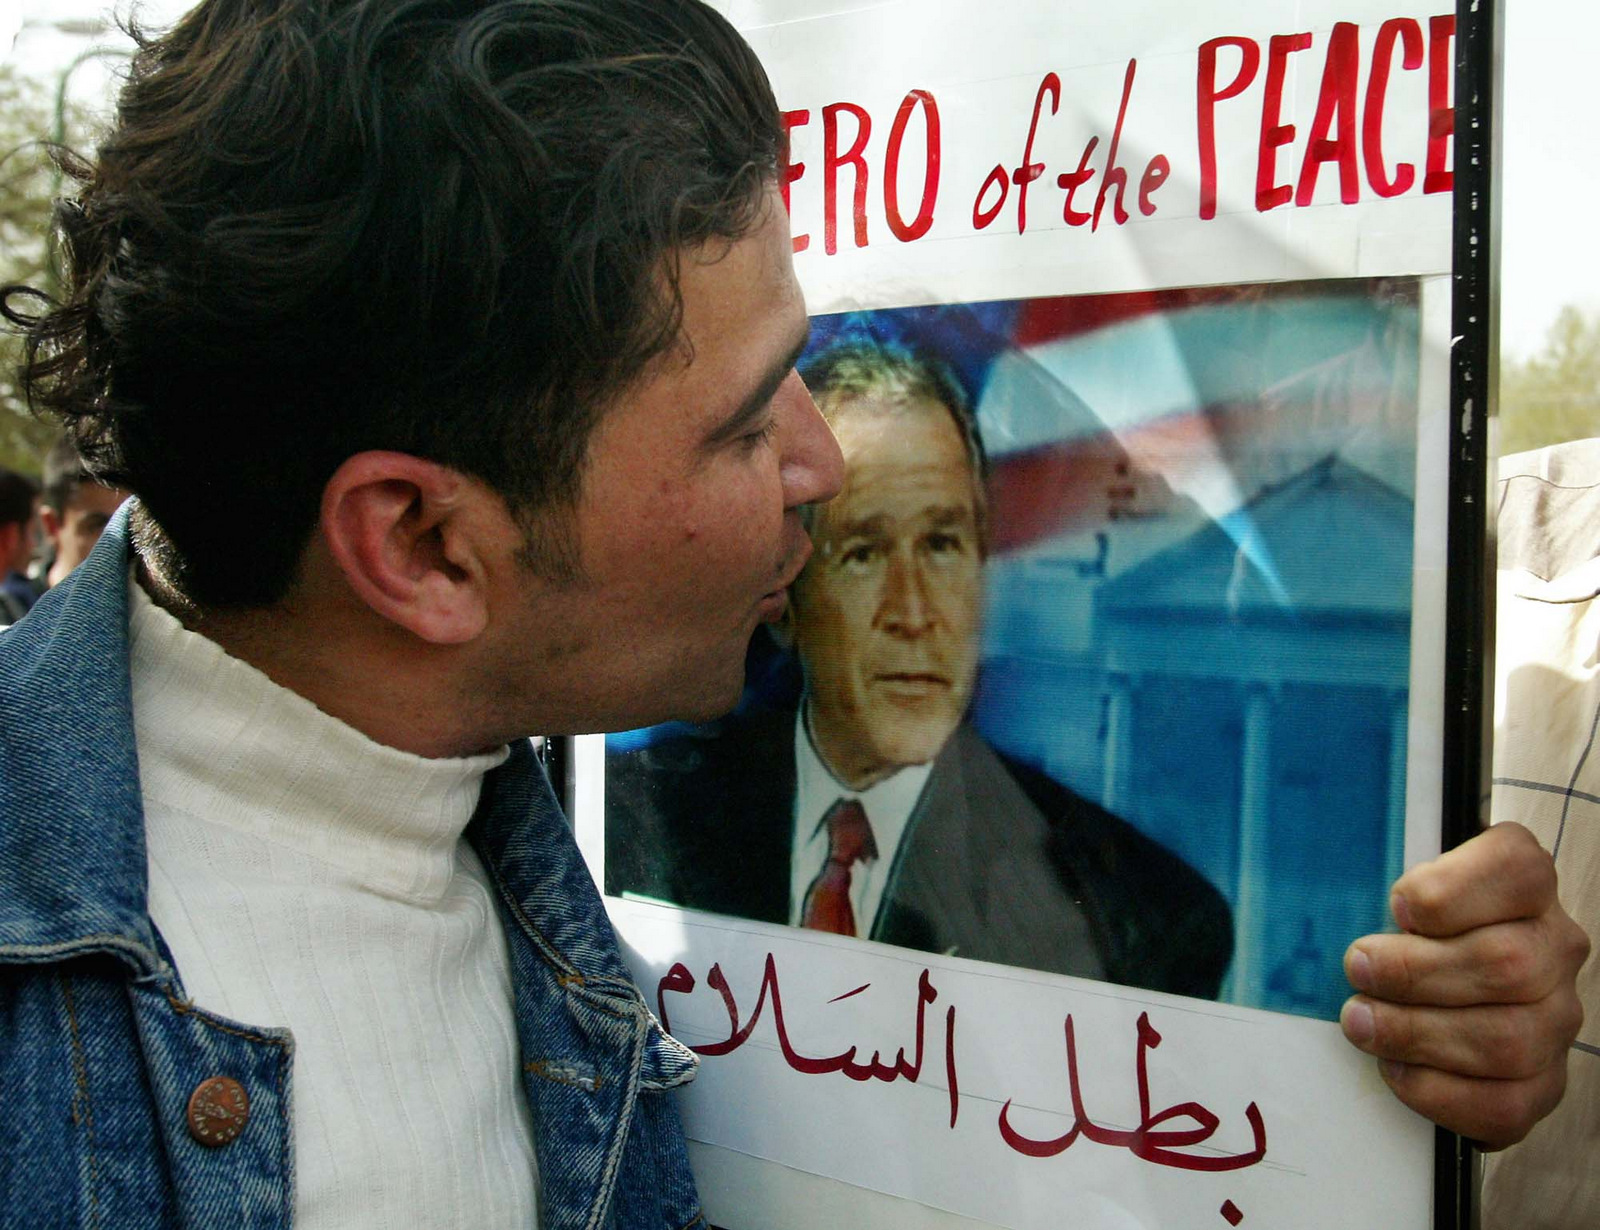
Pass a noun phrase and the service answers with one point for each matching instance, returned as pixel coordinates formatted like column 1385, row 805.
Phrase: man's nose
column 905, row 607
column 811, row 466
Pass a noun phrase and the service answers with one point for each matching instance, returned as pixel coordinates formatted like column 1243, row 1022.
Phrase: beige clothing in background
column 1547, row 777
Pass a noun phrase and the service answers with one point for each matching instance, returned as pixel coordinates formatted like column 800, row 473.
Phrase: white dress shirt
column 888, row 805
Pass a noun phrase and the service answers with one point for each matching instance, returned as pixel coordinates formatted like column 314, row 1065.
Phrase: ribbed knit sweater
column 305, row 876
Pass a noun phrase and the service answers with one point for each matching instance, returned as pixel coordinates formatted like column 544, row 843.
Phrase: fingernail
column 1392, row 1070
column 1360, row 970
column 1400, row 910
column 1357, row 1022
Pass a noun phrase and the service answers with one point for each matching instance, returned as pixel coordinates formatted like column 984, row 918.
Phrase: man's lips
column 771, row 605
column 796, row 566
column 912, row 680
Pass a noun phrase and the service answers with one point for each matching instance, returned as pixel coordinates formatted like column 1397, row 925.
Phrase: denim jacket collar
column 73, row 870
column 73, row 865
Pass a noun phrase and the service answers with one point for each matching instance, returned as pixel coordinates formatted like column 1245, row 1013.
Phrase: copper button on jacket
column 218, row 1110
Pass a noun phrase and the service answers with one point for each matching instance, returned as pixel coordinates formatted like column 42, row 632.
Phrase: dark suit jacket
column 998, row 863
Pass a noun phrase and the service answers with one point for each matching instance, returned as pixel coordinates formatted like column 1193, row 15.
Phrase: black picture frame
column 1469, row 587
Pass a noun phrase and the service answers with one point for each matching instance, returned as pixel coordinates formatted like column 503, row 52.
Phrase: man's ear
column 407, row 534
column 50, row 523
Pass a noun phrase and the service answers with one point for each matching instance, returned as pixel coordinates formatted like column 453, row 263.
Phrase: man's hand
column 1474, row 1008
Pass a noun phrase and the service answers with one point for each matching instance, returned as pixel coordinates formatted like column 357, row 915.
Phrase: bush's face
column 887, row 614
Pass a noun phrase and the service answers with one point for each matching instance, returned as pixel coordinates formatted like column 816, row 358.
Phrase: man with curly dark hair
column 448, row 348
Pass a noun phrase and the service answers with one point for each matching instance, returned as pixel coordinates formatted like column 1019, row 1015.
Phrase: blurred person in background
column 73, row 509
column 1547, row 778
column 19, row 537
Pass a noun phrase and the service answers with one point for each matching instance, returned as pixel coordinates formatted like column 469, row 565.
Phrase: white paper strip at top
column 1246, row 144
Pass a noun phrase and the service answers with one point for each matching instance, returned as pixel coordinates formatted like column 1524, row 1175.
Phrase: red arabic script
column 681, row 981
column 1149, row 1141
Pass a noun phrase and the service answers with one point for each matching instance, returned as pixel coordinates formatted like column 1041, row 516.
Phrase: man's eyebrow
column 874, row 526
column 878, row 526
column 750, row 409
column 943, row 515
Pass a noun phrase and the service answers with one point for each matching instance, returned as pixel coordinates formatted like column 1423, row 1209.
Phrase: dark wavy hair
column 444, row 227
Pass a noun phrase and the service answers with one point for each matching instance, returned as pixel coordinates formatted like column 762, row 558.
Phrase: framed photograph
column 1112, row 700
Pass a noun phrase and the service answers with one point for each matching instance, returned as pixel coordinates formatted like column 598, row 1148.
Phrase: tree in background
column 29, row 119
column 1554, row 396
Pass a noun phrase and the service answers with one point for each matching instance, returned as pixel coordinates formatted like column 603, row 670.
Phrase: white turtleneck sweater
column 305, row 876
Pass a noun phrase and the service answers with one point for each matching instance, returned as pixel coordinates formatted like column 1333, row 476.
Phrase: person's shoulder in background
column 1547, row 509
column 1547, row 778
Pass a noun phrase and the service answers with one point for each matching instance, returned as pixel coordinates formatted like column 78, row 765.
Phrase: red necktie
column 827, row 901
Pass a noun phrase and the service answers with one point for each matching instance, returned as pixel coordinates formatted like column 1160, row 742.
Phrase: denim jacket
column 100, row 1047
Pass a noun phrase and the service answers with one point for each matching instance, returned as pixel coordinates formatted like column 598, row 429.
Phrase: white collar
column 892, row 798
column 220, row 741
column 888, row 805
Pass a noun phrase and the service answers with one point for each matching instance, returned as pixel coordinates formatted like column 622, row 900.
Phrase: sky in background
column 1549, row 183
